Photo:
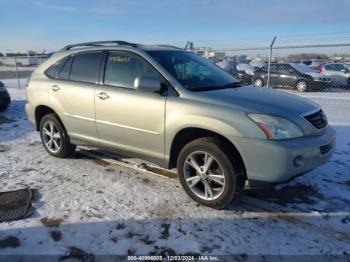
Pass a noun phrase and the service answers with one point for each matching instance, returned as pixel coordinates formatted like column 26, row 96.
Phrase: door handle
column 103, row 95
column 55, row 88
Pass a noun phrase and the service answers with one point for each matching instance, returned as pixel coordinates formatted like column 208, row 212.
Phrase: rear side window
column 330, row 67
column 122, row 68
column 284, row 69
column 65, row 71
column 53, row 70
column 86, row 67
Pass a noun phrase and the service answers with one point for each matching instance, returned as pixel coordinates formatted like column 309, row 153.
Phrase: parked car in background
column 228, row 66
column 338, row 72
column 316, row 65
column 5, row 99
column 292, row 75
column 245, row 73
column 305, row 62
column 257, row 63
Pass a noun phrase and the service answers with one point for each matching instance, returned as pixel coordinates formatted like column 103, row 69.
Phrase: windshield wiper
column 210, row 88
column 231, row 85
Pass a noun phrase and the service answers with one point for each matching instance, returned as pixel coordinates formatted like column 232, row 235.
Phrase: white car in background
column 338, row 72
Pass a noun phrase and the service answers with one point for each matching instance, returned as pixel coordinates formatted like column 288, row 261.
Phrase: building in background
column 28, row 58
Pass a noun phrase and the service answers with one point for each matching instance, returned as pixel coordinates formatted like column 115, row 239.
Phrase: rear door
column 274, row 75
column 73, row 95
column 287, row 75
column 129, row 119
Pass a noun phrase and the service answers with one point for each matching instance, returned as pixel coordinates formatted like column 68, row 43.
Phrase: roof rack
column 172, row 46
column 99, row 43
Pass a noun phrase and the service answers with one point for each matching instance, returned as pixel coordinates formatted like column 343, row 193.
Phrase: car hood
column 315, row 74
column 261, row 100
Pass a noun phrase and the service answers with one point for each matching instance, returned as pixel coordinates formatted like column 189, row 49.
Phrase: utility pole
column 17, row 73
column 269, row 65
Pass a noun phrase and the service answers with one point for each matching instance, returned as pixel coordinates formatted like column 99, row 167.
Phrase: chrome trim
column 80, row 117
column 311, row 112
column 127, row 127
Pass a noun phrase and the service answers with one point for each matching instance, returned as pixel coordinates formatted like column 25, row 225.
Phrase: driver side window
column 123, row 67
column 189, row 70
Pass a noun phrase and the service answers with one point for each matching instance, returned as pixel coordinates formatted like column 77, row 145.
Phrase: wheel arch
column 40, row 112
column 189, row 134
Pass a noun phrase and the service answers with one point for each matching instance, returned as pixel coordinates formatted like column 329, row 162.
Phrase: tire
column 56, row 142
column 301, row 86
column 258, row 82
column 227, row 171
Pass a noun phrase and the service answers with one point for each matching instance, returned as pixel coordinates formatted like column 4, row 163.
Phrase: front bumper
column 273, row 162
column 5, row 99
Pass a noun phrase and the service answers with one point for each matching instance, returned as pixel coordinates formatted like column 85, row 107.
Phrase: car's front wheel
column 208, row 174
column 258, row 82
column 54, row 137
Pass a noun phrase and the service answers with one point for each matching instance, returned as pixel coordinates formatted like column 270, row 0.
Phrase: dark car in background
column 242, row 71
column 292, row 75
column 4, row 97
column 245, row 73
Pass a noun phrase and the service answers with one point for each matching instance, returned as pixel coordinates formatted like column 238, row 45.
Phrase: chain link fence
column 18, row 67
column 302, row 68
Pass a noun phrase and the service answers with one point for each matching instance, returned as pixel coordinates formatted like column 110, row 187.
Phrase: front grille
column 326, row 148
column 317, row 119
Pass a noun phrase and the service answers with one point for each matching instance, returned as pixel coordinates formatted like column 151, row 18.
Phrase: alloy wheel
column 301, row 86
column 258, row 82
column 51, row 137
column 204, row 175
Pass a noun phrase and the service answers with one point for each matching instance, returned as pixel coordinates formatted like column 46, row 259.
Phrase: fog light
column 298, row 161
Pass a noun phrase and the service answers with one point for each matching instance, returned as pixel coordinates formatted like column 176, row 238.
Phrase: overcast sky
column 44, row 24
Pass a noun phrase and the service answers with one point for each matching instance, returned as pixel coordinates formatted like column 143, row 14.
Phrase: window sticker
column 120, row 59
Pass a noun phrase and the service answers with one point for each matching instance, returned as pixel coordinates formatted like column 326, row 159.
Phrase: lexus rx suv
column 179, row 110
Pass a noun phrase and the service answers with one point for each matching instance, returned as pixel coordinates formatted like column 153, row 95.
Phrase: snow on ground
column 102, row 208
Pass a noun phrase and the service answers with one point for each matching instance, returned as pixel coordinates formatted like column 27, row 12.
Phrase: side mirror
column 291, row 71
column 147, row 84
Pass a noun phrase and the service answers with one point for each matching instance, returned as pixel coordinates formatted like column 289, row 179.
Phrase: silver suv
column 176, row 109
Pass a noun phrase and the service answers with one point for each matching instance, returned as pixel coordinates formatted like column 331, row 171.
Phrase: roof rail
column 172, row 46
column 99, row 43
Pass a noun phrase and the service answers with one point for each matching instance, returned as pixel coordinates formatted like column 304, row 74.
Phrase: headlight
column 2, row 88
column 276, row 128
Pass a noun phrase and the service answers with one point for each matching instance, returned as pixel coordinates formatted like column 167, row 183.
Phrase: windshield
column 302, row 68
column 194, row 72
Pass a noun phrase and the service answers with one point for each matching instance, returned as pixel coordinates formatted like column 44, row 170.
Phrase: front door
column 126, row 118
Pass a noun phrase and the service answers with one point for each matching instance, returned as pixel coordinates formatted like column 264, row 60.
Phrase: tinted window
column 340, row 67
column 64, row 73
column 122, row 68
column 56, row 68
column 273, row 69
column 284, row 69
column 329, row 67
column 86, row 67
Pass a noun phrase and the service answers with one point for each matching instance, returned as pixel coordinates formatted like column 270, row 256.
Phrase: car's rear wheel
column 55, row 137
column 208, row 174
column 301, row 86
column 258, row 82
